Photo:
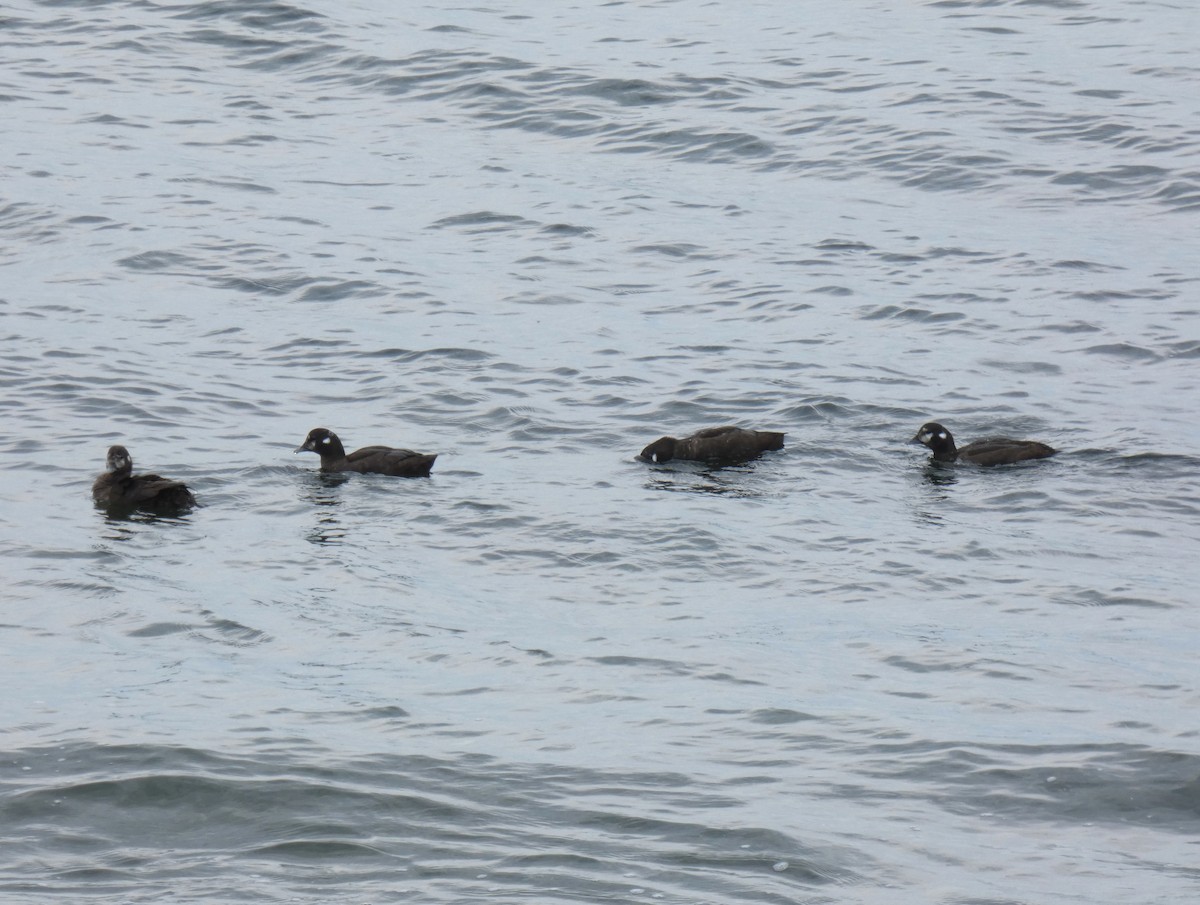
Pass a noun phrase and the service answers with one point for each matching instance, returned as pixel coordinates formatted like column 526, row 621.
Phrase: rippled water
column 533, row 239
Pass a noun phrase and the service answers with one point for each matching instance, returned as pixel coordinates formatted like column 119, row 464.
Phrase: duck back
column 726, row 445
column 1003, row 451
column 401, row 463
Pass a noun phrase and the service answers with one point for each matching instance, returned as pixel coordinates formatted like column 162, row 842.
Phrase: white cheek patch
column 925, row 437
column 654, row 458
column 942, row 435
column 325, row 442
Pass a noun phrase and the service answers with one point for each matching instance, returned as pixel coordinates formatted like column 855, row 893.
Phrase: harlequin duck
column 119, row 488
column 401, row 463
column 714, row 445
column 994, row 451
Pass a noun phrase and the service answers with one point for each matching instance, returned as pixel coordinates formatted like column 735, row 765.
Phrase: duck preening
column 714, row 445
column 993, row 451
column 119, row 488
column 401, row 463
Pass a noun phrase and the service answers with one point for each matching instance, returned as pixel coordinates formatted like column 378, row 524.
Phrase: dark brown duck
column 400, row 463
column 993, row 451
column 119, row 488
column 714, row 445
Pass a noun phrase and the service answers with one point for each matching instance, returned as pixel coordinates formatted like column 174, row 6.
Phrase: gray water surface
column 532, row 239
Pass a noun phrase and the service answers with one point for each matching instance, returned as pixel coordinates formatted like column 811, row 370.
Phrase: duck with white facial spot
column 993, row 451
column 400, row 463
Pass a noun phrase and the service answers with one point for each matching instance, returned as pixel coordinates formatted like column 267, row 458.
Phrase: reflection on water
column 120, row 519
column 936, row 479
column 323, row 491
column 939, row 474
column 694, row 477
